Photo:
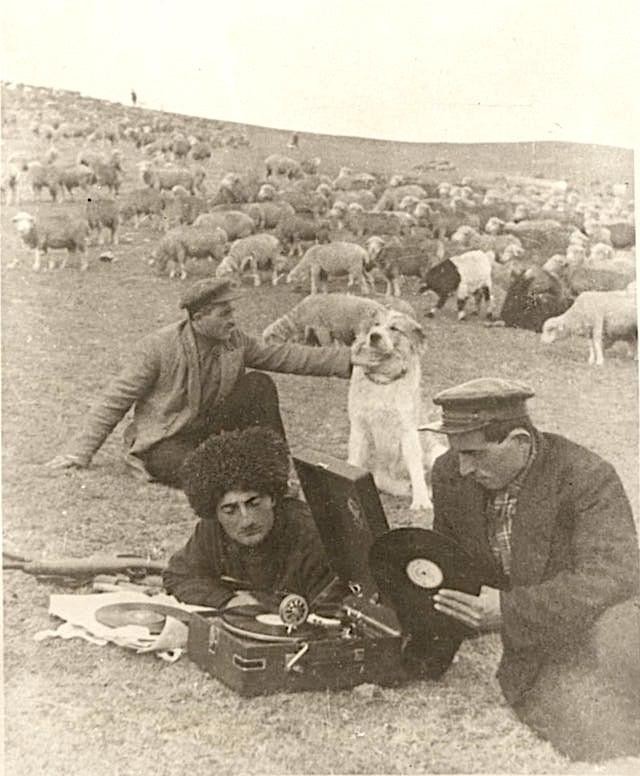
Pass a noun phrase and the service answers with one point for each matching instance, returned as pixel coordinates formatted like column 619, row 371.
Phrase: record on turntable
column 410, row 565
column 256, row 622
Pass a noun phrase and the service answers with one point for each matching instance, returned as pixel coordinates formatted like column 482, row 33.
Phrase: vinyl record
column 410, row 565
column 149, row 615
column 254, row 622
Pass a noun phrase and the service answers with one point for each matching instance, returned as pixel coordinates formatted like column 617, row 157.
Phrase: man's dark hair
column 498, row 430
column 256, row 459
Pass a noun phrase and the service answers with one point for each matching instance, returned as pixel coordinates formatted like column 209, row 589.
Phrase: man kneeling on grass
column 552, row 535
column 251, row 536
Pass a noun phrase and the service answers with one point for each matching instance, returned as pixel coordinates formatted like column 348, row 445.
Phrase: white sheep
column 338, row 258
column 256, row 252
column 58, row 232
column 602, row 316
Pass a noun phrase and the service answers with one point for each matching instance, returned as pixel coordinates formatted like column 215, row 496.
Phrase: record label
column 425, row 573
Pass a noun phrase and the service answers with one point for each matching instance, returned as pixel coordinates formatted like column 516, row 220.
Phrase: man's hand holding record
column 480, row 612
column 412, row 567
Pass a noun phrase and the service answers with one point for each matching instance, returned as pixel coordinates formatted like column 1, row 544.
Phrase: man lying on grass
column 187, row 381
column 249, row 530
column 551, row 531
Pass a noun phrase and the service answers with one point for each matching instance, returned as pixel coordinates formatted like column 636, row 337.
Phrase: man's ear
column 519, row 434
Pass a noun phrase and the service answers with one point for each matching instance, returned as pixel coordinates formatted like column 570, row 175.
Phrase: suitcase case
column 346, row 507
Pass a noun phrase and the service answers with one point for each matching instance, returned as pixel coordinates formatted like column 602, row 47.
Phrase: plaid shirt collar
column 501, row 510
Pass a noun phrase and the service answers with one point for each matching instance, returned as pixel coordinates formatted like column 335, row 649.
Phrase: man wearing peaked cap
column 551, row 530
column 188, row 380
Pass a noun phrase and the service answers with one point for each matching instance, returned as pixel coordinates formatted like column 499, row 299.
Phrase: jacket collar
column 535, row 518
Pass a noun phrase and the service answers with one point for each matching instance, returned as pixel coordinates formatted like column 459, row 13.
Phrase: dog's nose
column 375, row 337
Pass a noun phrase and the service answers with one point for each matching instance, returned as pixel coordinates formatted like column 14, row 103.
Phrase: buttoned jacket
column 574, row 551
column 161, row 380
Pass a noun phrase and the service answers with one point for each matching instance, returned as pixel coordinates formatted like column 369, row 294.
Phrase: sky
column 488, row 70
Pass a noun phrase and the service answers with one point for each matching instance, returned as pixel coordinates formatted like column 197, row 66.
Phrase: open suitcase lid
column 346, row 507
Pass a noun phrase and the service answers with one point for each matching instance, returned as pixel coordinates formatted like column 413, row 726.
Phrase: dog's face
column 393, row 337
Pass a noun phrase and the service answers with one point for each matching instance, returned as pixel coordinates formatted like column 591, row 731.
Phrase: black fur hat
column 256, row 458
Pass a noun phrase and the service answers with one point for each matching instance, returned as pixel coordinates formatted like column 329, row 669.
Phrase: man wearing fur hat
column 187, row 381
column 553, row 538
column 250, row 535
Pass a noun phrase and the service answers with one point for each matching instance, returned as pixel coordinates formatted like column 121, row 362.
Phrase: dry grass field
column 75, row 708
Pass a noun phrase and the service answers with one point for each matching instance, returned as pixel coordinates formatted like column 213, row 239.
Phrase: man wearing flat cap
column 552, row 534
column 187, row 381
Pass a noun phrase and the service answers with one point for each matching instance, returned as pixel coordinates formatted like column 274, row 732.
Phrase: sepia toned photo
column 319, row 388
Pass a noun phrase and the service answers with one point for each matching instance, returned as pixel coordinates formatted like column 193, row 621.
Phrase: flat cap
column 477, row 403
column 208, row 291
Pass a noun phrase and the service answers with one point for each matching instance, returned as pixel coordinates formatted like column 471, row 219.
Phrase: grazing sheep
column 397, row 259
column 168, row 177
column 393, row 196
column 43, row 176
column 622, row 235
column 466, row 274
column 364, row 223
column 321, row 319
column 11, row 184
column 103, row 214
column 143, row 202
column 201, row 150
column 186, row 242
column 600, row 252
column 579, row 277
column 185, row 208
column 54, row 232
column 107, row 175
column 75, row 177
column 363, row 197
column 305, row 202
column 338, row 258
column 293, row 230
column 233, row 222
column 533, row 296
column 602, row 316
column 256, row 252
column 279, row 165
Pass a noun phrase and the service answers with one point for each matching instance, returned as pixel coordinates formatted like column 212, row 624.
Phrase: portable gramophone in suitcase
column 392, row 577
column 256, row 651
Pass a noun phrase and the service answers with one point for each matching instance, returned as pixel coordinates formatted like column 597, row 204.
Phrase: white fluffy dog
column 385, row 407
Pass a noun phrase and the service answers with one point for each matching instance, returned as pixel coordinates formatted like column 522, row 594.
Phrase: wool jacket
column 162, row 381
column 291, row 559
column 574, row 552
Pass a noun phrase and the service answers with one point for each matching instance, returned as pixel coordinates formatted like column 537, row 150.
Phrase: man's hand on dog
column 66, row 461
column 366, row 359
column 480, row 612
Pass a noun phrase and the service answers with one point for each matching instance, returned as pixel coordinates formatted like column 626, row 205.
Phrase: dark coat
column 574, row 552
column 290, row 560
column 162, row 381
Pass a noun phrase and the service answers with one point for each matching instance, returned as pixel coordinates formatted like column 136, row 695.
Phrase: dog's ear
column 414, row 331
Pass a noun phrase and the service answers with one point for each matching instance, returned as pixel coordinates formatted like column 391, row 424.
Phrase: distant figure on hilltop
column 134, row 97
column 293, row 141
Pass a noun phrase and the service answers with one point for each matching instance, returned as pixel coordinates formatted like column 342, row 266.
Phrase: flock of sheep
column 565, row 256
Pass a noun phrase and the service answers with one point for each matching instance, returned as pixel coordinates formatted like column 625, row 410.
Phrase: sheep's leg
column 84, row 260
column 115, row 237
column 596, row 340
column 37, row 260
column 363, row 283
column 396, row 286
column 315, row 274
column 488, row 298
column 461, row 305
